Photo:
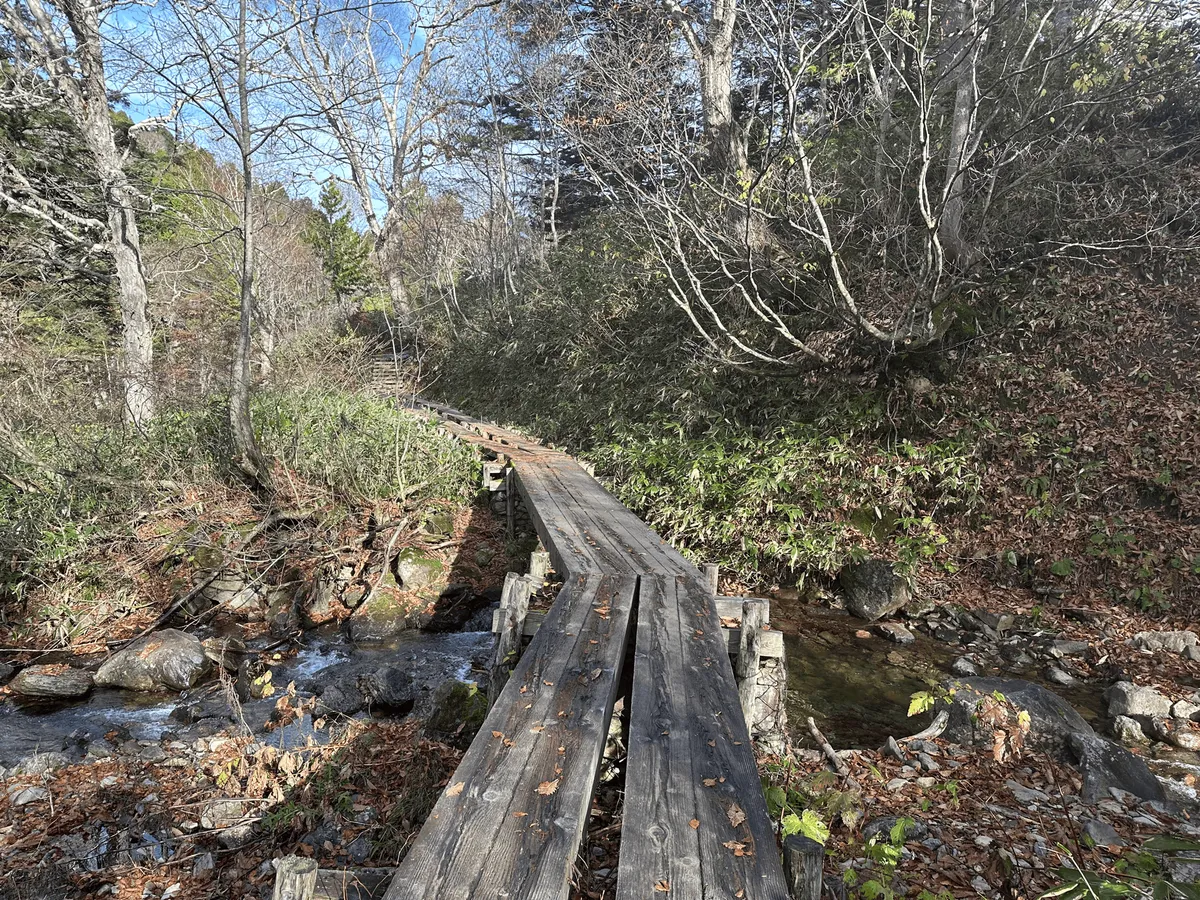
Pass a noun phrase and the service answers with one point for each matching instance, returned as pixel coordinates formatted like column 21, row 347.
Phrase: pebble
column 204, row 866
column 908, row 772
column 1101, row 834
column 981, row 885
column 109, row 781
column 23, row 796
column 927, row 781
column 964, row 667
column 1059, row 649
column 1026, row 794
column 927, row 762
column 1055, row 675
column 893, row 749
column 896, row 633
column 897, row 784
column 983, row 841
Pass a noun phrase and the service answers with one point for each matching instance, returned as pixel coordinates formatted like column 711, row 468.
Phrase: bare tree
column 823, row 179
column 379, row 75
column 62, row 41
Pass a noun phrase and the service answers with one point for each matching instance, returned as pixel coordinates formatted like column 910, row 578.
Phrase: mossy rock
column 386, row 614
column 459, row 708
column 438, row 524
column 417, row 570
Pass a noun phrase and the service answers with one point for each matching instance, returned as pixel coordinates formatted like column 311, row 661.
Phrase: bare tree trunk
column 727, row 145
column 247, row 455
column 950, row 224
column 89, row 104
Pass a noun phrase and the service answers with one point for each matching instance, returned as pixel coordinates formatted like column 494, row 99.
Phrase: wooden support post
column 711, row 573
column 295, row 878
column 539, row 566
column 802, row 861
column 514, row 602
column 509, row 485
column 754, row 612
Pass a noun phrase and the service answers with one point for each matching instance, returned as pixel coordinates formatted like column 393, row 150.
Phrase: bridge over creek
column 695, row 821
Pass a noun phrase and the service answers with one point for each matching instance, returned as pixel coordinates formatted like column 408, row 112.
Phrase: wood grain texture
column 690, row 758
column 696, row 824
column 560, row 695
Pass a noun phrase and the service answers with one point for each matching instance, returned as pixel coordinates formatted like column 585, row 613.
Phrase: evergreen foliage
column 345, row 254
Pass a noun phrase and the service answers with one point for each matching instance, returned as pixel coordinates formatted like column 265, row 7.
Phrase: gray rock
column 1106, row 764
column 896, row 633
column 316, row 601
column 385, row 615
column 52, row 682
column 1176, row 732
column 1171, row 641
column 983, row 841
column 458, row 711
column 1101, row 834
column 914, row 830
column 389, row 687
column 896, row 784
column 1025, row 794
column 1055, row 675
column 1051, row 717
column 168, row 659
column 980, row 884
column 1059, row 649
column 1186, row 709
column 236, row 836
column 963, row 667
column 1192, row 653
column 25, row 796
column 42, row 763
column 1183, row 869
column 997, row 622
column 416, row 569
column 1128, row 731
column 204, row 866
column 1128, row 699
column 873, row 589
column 359, row 850
column 892, row 748
column 928, row 763
column 341, row 698
column 5, row 672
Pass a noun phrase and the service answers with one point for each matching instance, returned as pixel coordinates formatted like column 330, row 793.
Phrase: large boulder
column 1128, row 699
column 386, row 614
column 389, row 688
column 416, row 569
column 1171, row 641
column 873, row 589
column 52, row 682
column 1054, row 726
column 459, row 708
column 1051, row 719
column 166, row 660
column 1106, row 764
column 231, row 591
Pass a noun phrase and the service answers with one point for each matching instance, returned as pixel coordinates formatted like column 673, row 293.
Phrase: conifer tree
column 345, row 254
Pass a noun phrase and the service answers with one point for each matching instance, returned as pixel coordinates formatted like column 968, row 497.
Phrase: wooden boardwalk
column 510, row 822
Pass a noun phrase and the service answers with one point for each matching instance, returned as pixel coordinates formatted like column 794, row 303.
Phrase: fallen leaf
column 710, row 782
column 738, row 848
column 455, row 789
column 519, row 815
column 538, row 729
column 736, row 815
column 662, row 886
column 548, row 683
column 695, row 823
column 546, row 788
column 497, row 734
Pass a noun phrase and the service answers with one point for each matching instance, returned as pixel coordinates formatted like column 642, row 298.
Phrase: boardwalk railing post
column 802, row 861
column 295, row 878
column 509, row 503
column 711, row 573
column 539, row 567
column 514, row 604
column 754, row 613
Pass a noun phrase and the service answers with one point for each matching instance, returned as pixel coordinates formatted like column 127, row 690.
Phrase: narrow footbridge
column 511, row 820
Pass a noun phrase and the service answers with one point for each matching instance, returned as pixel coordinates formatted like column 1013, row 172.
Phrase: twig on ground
column 839, row 766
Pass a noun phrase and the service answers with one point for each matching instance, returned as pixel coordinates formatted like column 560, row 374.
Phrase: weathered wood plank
column 770, row 647
column 690, row 759
column 473, row 844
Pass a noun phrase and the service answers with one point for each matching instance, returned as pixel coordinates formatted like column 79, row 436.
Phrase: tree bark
column 247, row 455
column 962, row 42
column 88, row 100
column 727, row 145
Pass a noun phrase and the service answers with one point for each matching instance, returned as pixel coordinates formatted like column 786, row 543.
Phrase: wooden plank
column 770, row 647
column 690, row 759
column 473, row 844
column 748, row 658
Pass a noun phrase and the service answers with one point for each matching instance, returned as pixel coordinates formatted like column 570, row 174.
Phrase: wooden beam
column 511, row 819
column 514, row 604
column 770, row 644
column 695, row 822
column 802, row 861
column 295, row 878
